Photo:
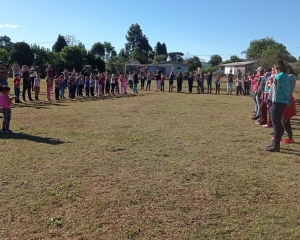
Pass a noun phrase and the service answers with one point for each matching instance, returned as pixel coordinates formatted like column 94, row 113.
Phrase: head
column 24, row 68
column 49, row 66
column 16, row 64
column 260, row 71
column 38, row 75
column 16, row 75
column 61, row 77
column 5, row 89
column 280, row 66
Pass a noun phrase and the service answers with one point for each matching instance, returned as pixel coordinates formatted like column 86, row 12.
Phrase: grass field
column 146, row 166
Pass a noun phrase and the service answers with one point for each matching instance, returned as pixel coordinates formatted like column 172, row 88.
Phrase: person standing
column 130, row 80
column 162, row 84
column 33, row 74
column 50, row 74
column 157, row 80
column 239, row 89
column 26, row 83
column 17, row 83
column 3, row 74
column 149, row 79
column 217, row 82
column 190, row 82
column 142, row 80
column 280, row 95
column 229, row 82
column 171, row 81
column 37, row 85
column 16, row 69
column 209, row 82
column 135, row 82
column 179, row 79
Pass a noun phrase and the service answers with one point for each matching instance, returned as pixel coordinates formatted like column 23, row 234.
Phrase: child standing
column 57, row 87
column 36, row 87
column 117, row 85
column 149, row 78
column 17, row 82
column 97, row 86
column 217, row 82
column 92, row 85
column 113, row 83
column 87, row 87
column 101, row 84
column 63, row 85
column 135, row 83
column 162, row 86
column 5, row 102
column 48, row 87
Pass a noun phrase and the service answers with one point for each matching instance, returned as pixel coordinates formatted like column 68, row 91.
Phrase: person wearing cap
column 3, row 74
column 280, row 96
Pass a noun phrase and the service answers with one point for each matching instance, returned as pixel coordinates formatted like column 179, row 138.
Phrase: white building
column 245, row 67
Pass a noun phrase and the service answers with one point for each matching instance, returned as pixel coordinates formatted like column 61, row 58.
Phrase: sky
column 194, row 27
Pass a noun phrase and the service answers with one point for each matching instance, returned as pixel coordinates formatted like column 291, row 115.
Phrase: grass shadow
column 24, row 136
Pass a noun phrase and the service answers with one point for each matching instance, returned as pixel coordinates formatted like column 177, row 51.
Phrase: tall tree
column 73, row 56
column 98, row 50
column 41, row 57
column 161, row 50
column 215, row 60
column 175, row 56
column 193, row 62
column 275, row 51
column 59, row 44
column 136, row 38
column 256, row 47
column 4, row 55
column 159, row 58
column 110, row 51
column 235, row 58
column 5, row 42
column 140, row 55
column 158, row 49
column 21, row 53
column 164, row 49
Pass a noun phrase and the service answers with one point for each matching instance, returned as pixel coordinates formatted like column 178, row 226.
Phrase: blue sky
column 194, row 27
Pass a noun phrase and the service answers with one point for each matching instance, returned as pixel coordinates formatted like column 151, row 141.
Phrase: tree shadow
column 24, row 136
column 290, row 151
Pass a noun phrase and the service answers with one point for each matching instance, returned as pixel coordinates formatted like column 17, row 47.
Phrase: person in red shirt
column 17, row 82
column 162, row 86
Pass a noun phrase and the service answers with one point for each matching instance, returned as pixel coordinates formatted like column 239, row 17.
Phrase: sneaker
column 257, row 123
column 254, row 117
column 288, row 141
column 6, row 131
column 266, row 126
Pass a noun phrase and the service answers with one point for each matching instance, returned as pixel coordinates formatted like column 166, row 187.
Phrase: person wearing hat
column 3, row 74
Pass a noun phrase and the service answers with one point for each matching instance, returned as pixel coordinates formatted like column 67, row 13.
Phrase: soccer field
column 146, row 166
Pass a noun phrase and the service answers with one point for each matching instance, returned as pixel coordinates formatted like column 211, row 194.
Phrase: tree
column 4, row 55
column 110, row 51
column 73, row 56
column 95, row 61
column 158, row 48
column 59, row 44
column 215, row 60
column 159, row 58
column 140, row 55
column 98, row 50
column 235, row 58
column 193, row 62
column 275, row 51
column 41, row 58
column 136, row 38
column 5, row 42
column 21, row 52
column 256, row 47
column 175, row 56
column 164, row 49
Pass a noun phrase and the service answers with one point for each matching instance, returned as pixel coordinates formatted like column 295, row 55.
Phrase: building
column 167, row 67
column 245, row 67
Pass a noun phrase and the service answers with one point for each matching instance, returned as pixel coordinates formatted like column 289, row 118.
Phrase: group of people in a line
column 272, row 92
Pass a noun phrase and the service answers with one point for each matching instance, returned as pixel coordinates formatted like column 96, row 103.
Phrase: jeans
column 81, row 86
column 6, row 118
column 162, row 86
column 217, row 88
column 258, row 100
column 179, row 86
column 276, row 116
column 107, row 88
column 56, row 93
column 62, row 93
column 239, row 90
column 26, row 87
column 209, row 86
column 142, row 83
column 229, row 87
column 113, row 85
column 190, row 86
column 134, row 88
column 148, row 85
column 158, row 85
column 171, row 85
column 17, row 94
column 130, row 84
column 287, row 127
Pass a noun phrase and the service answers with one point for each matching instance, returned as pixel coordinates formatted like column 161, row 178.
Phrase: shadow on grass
column 290, row 151
column 66, row 102
column 24, row 136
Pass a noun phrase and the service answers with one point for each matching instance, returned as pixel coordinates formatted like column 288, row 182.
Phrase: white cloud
column 7, row 25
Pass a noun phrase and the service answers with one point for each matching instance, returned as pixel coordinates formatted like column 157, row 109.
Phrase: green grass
column 146, row 166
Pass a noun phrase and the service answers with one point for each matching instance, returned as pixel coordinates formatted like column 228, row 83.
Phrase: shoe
column 257, row 123
column 271, row 133
column 254, row 117
column 6, row 131
column 254, row 114
column 273, row 148
column 288, row 141
column 24, row 100
column 31, row 99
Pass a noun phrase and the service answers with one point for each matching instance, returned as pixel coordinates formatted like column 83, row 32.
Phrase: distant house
column 245, row 67
column 167, row 67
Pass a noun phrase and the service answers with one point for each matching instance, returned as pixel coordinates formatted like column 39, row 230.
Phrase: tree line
column 103, row 56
